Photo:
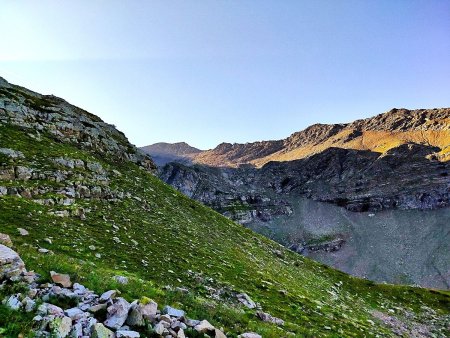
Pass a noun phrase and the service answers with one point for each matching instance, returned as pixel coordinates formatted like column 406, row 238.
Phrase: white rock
column 127, row 334
column 249, row 335
column 108, row 295
column 14, row 302
column 23, row 232
column 204, row 327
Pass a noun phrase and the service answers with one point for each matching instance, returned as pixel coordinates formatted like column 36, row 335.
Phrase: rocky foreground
column 99, row 316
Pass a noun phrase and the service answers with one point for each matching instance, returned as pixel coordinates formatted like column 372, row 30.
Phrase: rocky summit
column 394, row 161
column 94, row 244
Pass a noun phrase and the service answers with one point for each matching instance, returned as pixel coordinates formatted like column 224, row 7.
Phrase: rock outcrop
column 69, row 124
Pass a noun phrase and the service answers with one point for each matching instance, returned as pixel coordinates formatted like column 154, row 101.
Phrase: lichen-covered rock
column 100, row 331
column 13, row 302
column 23, row 173
column 50, row 309
column 76, row 331
column 160, row 329
column 75, row 313
column 11, row 265
column 219, row 334
column 6, row 240
column 61, row 326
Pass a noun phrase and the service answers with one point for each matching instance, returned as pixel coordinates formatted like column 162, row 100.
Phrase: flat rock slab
column 127, row 334
column 173, row 312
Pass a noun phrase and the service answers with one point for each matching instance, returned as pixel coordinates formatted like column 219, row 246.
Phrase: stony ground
column 82, row 313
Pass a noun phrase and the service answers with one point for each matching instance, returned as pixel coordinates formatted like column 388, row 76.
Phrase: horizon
column 229, row 72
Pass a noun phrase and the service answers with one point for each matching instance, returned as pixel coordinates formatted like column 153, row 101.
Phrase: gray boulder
column 168, row 310
column 13, row 302
column 11, row 265
column 61, row 327
column 108, row 295
column 266, row 317
column 23, row 173
column 100, row 331
column 246, row 300
column 117, row 313
column 127, row 334
column 142, row 310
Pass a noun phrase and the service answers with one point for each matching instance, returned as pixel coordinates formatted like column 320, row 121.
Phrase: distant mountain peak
column 163, row 152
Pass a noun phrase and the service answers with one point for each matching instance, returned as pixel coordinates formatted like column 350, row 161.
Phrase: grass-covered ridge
column 144, row 229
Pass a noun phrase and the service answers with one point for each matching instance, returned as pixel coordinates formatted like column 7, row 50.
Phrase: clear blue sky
column 236, row 71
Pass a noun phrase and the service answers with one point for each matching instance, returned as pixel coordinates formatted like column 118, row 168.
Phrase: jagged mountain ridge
column 379, row 134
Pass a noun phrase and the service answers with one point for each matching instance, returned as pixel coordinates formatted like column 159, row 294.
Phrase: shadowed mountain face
column 393, row 184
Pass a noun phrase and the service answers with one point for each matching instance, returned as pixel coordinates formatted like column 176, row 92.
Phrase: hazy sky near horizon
column 207, row 72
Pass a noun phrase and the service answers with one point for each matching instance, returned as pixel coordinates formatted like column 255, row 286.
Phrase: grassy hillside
column 142, row 228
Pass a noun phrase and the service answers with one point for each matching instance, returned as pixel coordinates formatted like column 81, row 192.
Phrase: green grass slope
column 162, row 240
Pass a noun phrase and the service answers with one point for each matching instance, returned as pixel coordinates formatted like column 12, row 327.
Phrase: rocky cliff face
column 405, row 177
column 400, row 175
